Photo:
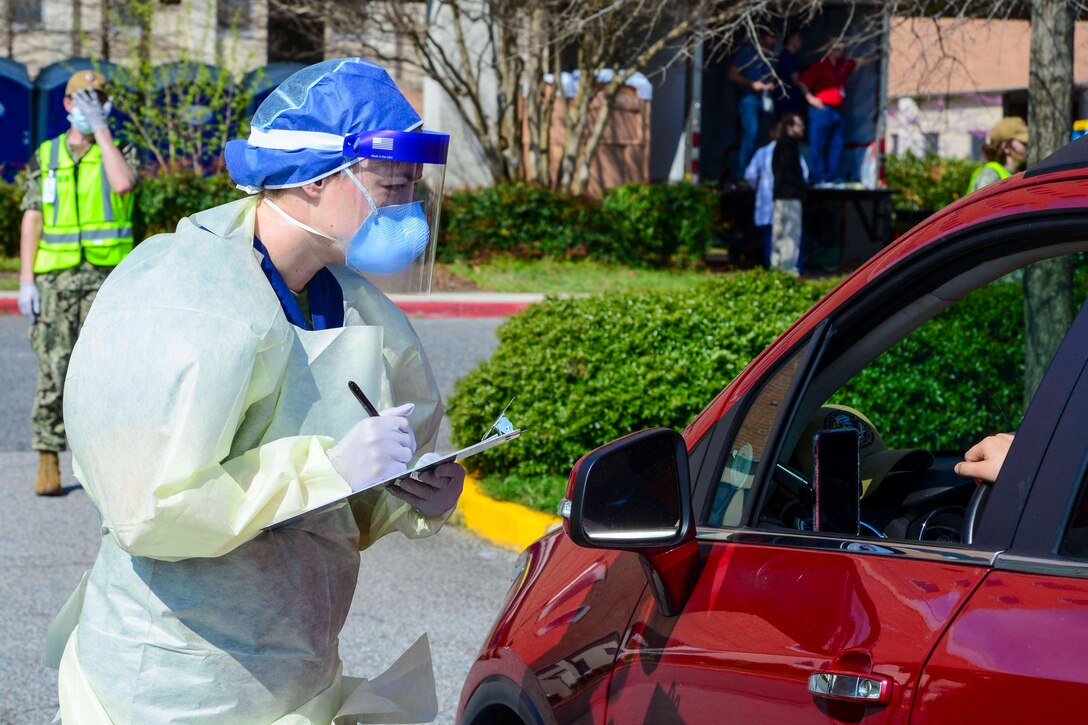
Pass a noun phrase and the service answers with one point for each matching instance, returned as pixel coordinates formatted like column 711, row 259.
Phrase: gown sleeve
column 156, row 390
column 408, row 379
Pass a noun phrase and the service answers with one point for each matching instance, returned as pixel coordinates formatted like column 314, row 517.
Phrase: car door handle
column 872, row 690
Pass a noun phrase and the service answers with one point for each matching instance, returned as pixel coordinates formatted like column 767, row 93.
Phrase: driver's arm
column 984, row 459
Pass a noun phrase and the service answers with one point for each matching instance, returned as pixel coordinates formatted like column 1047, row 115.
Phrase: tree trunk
column 105, row 28
column 9, row 27
column 1048, row 286
column 77, row 28
column 143, row 51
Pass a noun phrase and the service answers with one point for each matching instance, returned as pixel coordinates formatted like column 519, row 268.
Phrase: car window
column 917, row 407
column 1075, row 539
column 746, row 449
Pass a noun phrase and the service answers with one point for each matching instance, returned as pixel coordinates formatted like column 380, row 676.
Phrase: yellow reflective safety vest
column 1001, row 171
column 83, row 217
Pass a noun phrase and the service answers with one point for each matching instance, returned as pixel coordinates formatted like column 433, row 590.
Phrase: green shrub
column 637, row 224
column 952, row 381
column 955, row 379
column 662, row 224
column 588, row 370
column 926, row 183
column 163, row 200
column 520, row 220
column 11, row 217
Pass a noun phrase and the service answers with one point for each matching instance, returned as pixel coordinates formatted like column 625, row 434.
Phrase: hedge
column 636, row 224
column 926, row 183
column 586, row 371
column 11, row 217
column 161, row 202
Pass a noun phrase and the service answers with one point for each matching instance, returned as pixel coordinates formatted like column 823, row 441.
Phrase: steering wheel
column 974, row 510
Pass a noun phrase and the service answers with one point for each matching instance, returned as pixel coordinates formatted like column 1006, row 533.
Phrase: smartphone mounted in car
column 837, row 481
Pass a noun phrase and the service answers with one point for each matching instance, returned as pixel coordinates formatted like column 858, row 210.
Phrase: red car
column 779, row 563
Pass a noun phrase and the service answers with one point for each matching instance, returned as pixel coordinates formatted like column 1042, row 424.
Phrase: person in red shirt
column 824, row 86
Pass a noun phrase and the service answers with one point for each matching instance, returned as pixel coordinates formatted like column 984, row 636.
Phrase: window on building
column 26, row 13
column 293, row 37
column 932, row 143
column 234, row 14
column 978, row 139
column 895, row 144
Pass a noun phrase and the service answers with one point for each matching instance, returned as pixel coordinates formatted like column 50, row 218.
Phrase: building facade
column 950, row 81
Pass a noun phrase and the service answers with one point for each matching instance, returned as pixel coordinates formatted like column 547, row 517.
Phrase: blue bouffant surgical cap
column 297, row 133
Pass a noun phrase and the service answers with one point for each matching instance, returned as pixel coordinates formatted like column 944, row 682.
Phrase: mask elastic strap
column 369, row 198
column 294, row 221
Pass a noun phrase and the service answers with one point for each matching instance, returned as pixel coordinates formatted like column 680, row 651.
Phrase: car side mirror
column 631, row 494
column 837, row 481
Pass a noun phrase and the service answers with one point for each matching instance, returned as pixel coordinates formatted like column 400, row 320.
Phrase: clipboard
column 505, row 432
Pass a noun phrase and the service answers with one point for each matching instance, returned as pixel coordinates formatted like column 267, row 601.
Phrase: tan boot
column 48, row 483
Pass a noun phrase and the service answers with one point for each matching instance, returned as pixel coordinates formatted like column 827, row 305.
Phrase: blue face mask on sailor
column 387, row 242
column 390, row 238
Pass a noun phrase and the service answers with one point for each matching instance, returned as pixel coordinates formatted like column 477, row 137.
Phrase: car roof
column 1073, row 155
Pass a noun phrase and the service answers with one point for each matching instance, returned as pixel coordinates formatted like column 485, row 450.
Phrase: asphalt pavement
column 450, row 585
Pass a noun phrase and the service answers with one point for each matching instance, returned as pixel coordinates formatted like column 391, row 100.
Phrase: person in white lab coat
column 760, row 176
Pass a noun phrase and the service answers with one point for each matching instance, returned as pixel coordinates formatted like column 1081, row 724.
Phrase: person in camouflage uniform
column 76, row 227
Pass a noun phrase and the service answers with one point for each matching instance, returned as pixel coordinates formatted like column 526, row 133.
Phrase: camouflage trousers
column 66, row 298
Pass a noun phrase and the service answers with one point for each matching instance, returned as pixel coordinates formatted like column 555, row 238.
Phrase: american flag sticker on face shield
column 381, row 143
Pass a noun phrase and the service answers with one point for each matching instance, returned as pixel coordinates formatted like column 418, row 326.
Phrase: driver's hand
column 983, row 460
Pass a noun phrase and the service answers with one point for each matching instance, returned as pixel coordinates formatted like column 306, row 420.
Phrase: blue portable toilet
column 262, row 81
column 50, row 118
column 15, row 95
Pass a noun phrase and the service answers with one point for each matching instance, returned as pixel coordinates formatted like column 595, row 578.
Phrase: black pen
column 363, row 400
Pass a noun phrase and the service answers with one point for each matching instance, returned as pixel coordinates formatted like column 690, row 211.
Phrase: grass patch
column 9, row 273
column 505, row 274
column 518, row 275
column 537, row 492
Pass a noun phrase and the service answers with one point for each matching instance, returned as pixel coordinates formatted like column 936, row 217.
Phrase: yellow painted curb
column 506, row 524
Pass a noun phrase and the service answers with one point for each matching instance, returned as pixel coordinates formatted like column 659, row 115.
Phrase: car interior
column 915, row 495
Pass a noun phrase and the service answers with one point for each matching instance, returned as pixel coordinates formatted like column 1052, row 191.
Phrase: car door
column 774, row 609
column 1015, row 652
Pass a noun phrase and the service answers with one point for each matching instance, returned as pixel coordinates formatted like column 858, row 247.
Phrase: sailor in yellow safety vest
column 1006, row 152
column 76, row 227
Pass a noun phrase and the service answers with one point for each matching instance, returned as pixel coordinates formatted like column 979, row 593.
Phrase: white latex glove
column 432, row 492
column 375, row 448
column 30, row 301
column 91, row 108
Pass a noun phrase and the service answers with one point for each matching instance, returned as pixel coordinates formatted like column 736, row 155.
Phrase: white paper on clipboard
column 466, row 452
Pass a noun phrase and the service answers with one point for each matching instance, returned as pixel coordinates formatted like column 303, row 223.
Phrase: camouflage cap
column 1009, row 128
column 85, row 79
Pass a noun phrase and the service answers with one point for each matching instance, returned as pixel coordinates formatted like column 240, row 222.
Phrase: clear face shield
column 401, row 175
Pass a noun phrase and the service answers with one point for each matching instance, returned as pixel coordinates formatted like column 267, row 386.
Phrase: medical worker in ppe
column 207, row 399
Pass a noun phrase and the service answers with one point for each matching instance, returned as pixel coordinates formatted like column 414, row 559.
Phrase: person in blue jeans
column 790, row 98
column 824, row 86
column 753, row 74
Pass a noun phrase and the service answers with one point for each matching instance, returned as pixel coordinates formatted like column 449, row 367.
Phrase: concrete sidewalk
column 439, row 304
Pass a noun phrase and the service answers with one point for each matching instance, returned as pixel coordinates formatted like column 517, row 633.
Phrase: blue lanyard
column 326, row 296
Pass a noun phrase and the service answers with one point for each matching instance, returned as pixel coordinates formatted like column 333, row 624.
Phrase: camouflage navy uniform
column 66, row 297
